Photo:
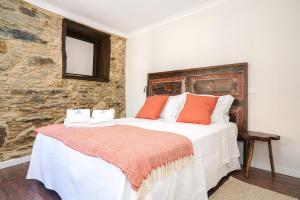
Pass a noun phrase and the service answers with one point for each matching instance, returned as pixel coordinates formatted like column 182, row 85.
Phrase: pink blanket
column 136, row 151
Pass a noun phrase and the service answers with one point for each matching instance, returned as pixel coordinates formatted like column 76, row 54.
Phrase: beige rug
column 234, row 189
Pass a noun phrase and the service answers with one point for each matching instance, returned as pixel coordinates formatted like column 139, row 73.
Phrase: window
column 86, row 52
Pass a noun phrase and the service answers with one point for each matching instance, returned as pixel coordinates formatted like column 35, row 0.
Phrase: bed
column 76, row 176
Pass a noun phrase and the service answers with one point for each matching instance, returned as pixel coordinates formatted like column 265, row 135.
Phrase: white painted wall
column 264, row 33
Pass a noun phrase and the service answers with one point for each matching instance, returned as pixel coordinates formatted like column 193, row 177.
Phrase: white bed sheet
column 76, row 176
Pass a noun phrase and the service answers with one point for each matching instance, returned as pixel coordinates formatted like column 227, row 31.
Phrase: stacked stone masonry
column 32, row 92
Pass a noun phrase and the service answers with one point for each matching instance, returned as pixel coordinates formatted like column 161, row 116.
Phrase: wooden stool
column 250, row 138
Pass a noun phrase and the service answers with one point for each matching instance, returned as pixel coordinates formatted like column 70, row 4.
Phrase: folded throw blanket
column 89, row 123
column 143, row 155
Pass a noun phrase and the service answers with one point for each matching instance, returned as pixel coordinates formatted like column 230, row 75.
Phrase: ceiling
column 127, row 16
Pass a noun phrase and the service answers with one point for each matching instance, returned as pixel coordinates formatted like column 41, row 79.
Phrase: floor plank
column 14, row 186
column 280, row 183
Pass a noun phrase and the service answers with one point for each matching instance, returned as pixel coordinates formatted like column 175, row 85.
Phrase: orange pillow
column 152, row 107
column 197, row 109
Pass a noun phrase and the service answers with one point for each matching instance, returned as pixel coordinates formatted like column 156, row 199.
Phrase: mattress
column 76, row 176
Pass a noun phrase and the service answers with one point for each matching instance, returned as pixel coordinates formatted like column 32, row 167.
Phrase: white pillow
column 221, row 111
column 173, row 106
column 220, row 114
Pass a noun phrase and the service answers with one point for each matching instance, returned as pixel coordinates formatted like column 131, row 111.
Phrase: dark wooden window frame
column 102, row 47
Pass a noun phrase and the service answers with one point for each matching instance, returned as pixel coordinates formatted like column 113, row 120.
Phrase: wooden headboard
column 217, row 80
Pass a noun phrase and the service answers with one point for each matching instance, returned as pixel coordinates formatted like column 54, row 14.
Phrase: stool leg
column 245, row 150
column 249, row 157
column 271, row 157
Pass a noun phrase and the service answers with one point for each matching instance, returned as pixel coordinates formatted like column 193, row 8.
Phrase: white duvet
column 76, row 176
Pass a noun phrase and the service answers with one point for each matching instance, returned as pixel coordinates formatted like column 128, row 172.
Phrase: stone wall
column 32, row 92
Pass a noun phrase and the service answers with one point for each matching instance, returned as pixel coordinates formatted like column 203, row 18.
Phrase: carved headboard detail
column 217, row 80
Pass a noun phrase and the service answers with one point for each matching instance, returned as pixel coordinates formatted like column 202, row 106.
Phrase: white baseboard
column 278, row 169
column 13, row 162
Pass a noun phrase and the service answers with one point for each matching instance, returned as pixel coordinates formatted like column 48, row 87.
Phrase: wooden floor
column 14, row 186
